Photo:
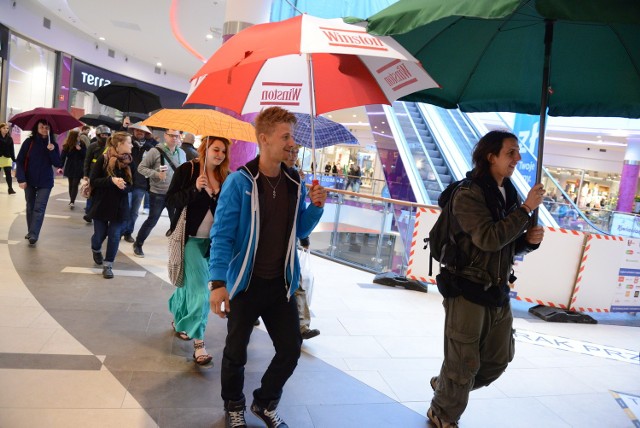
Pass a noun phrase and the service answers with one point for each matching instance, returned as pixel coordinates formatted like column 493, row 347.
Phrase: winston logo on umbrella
column 280, row 94
column 352, row 39
column 396, row 74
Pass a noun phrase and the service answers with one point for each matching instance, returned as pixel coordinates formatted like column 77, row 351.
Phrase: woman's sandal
column 181, row 334
column 203, row 359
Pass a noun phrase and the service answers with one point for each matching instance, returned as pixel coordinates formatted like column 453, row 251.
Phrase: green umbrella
column 576, row 57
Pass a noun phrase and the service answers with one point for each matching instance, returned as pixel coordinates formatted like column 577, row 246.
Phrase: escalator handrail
column 424, row 149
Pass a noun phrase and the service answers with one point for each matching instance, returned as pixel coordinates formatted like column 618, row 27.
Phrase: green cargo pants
column 478, row 346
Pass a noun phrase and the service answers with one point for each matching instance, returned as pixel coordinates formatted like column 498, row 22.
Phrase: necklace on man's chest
column 271, row 185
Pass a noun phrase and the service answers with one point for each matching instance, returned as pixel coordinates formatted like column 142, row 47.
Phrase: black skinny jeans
column 264, row 298
column 73, row 187
column 7, row 176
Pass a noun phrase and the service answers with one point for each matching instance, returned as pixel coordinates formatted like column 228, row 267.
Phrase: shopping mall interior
column 79, row 350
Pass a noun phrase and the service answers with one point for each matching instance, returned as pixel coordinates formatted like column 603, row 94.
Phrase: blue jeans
column 37, row 199
column 106, row 229
column 156, row 204
column 135, row 199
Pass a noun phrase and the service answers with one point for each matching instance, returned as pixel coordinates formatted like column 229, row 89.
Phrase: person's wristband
column 529, row 210
column 213, row 285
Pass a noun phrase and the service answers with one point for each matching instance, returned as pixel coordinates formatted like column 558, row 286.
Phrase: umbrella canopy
column 128, row 97
column 135, row 117
column 330, row 65
column 489, row 55
column 327, row 132
column 59, row 119
column 100, row 119
column 203, row 122
column 306, row 65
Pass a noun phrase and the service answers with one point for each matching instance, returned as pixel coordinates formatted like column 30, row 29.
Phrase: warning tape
column 414, row 240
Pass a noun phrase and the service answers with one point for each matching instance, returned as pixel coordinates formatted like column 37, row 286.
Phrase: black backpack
column 441, row 240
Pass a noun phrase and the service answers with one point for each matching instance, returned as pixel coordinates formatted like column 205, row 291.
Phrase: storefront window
column 31, row 76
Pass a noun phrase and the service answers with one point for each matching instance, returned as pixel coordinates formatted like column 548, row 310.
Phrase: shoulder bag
column 175, row 264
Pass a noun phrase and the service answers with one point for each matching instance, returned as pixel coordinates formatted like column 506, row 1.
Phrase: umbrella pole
column 312, row 98
column 544, row 103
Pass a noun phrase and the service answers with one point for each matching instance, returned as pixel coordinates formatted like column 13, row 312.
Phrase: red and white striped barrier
column 571, row 269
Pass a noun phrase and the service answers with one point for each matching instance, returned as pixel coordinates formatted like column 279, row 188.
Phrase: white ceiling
column 142, row 29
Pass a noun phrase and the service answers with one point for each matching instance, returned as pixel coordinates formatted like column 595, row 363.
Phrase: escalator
column 429, row 162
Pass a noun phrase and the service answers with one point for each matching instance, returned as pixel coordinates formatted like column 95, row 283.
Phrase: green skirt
column 190, row 303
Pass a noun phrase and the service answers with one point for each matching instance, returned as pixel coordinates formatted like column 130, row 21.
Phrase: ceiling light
column 209, row 36
column 158, row 64
column 101, row 39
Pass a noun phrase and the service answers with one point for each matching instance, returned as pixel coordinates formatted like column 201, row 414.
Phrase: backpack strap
column 163, row 157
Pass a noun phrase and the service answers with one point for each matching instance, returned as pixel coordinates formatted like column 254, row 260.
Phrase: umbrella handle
column 315, row 183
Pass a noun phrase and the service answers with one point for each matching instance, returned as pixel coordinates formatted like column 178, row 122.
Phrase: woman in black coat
column 73, row 153
column 7, row 155
column 111, row 182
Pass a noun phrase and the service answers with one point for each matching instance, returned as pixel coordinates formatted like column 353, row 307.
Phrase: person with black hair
column 34, row 172
column 491, row 226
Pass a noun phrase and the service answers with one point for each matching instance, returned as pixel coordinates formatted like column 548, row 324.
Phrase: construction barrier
column 571, row 270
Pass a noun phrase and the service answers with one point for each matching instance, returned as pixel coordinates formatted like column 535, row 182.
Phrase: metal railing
column 368, row 232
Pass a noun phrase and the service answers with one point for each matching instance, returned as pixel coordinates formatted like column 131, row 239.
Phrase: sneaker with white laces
column 268, row 415
column 437, row 422
column 234, row 414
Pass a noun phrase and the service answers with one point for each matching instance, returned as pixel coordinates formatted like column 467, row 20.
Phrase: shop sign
column 625, row 225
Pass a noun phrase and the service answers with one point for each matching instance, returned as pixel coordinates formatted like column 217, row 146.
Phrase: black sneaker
column 234, row 414
column 11, row 191
column 127, row 237
column 137, row 250
column 268, row 415
column 310, row 333
column 107, row 273
column 86, row 218
column 97, row 257
column 32, row 241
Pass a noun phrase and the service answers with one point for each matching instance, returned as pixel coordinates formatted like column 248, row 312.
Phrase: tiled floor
column 79, row 350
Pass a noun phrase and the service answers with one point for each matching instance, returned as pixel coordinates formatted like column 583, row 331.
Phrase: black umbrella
column 100, row 119
column 128, row 97
column 135, row 117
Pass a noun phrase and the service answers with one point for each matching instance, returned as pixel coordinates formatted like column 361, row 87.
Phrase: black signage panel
column 88, row 78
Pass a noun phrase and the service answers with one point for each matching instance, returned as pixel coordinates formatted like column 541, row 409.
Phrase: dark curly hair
column 490, row 143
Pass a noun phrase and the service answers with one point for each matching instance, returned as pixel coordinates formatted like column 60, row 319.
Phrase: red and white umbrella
column 306, row 65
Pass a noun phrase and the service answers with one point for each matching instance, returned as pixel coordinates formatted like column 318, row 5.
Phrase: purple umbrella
column 59, row 119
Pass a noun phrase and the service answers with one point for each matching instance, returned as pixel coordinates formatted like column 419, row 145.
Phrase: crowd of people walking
column 240, row 234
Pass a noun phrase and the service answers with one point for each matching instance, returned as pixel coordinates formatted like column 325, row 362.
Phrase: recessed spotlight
column 209, row 36
column 158, row 64
column 101, row 39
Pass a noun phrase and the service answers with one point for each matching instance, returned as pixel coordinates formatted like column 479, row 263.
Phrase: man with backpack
column 158, row 165
column 488, row 227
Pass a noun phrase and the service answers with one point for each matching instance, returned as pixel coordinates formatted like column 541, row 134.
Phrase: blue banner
column 526, row 129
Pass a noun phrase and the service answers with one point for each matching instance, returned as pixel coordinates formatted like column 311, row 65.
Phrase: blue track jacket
column 236, row 228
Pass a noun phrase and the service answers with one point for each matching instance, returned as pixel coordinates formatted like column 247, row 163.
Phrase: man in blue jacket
column 38, row 154
column 254, row 268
